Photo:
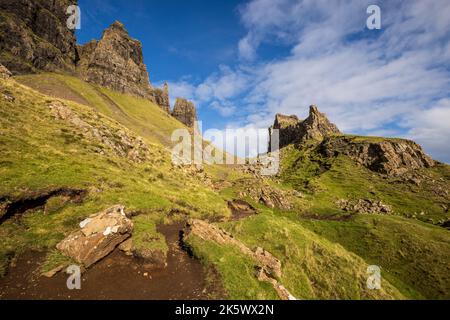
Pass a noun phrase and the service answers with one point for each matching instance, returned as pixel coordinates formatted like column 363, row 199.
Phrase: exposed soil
column 241, row 209
column 11, row 208
column 53, row 88
column 117, row 277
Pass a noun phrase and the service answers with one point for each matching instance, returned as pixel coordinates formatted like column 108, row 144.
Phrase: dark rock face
column 116, row 62
column 386, row 156
column 185, row 112
column 34, row 36
column 162, row 97
column 292, row 130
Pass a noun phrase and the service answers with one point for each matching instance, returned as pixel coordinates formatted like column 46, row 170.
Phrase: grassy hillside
column 42, row 153
column 140, row 115
column 324, row 251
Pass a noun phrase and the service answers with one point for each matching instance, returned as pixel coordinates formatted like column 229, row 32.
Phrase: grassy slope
column 414, row 255
column 40, row 153
column 140, row 115
column 313, row 267
column 321, row 259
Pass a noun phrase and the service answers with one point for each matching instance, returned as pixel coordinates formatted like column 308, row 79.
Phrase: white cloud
column 431, row 127
column 368, row 82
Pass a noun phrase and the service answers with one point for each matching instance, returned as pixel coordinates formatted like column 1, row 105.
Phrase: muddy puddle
column 117, row 277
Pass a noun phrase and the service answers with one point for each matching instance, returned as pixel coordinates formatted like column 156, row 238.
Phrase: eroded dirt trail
column 114, row 278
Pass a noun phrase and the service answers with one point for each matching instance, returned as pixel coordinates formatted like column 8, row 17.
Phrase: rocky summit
column 292, row 130
column 116, row 62
column 185, row 112
column 34, row 36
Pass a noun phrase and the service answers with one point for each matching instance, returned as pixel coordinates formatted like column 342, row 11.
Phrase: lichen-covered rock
column 185, row 112
column 265, row 194
column 292, row 130
column 386, row 156
column 98, row 236
column 34, row 36
column 4, row 72
column 162, row 97
column 365, row 206
column 116, row 62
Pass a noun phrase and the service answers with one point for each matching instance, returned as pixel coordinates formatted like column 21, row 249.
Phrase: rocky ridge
column 386, row 156
column 34, row 36
column 292, row 130
column 382, row 155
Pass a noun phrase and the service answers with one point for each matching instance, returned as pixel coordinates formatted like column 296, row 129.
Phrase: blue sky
column 243, row 61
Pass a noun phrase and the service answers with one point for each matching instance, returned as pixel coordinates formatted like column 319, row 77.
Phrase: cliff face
column 382, row 155
column 185, row 112
column 292, row 130
column 116, row 62
column 34, row 36
column 386, row 156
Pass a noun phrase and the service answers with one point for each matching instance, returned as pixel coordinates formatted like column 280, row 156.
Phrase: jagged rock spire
column 292, row 130
column 185, row 112
column 162, row 97
column 116, row 62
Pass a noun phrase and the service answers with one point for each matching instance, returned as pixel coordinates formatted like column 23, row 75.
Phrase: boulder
column 98, row 236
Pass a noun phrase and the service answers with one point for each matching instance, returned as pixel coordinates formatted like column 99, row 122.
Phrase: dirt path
column 116, row 277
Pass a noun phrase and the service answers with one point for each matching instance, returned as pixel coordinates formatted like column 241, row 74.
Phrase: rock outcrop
column 292, row 130
column 162, row 97
column 98, row 236
column 4, row 72
column 116, row 62
column 118, row 140
column 185, row 112
column 268, row 266
column 34, row 36
column 386, row 156
column 365, row 206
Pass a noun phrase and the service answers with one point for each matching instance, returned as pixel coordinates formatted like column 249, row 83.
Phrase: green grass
column 41, row 153
column 320, row 259
column 146, row 237
column 313, row 268
column 413, row 255
column 140, row 115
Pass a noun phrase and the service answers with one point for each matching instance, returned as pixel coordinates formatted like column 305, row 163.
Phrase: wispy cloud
column 392, row 82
